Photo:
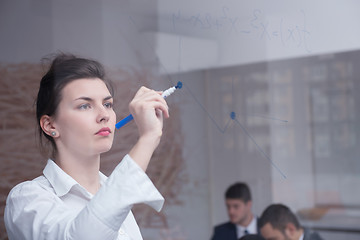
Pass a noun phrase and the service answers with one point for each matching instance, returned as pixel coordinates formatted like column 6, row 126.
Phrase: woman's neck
column 84, row 169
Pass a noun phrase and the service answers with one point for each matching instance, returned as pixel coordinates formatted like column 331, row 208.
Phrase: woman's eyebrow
column 90, row 99
column 84, row 98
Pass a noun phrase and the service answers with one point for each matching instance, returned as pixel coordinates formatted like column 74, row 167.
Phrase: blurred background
column 268, row 98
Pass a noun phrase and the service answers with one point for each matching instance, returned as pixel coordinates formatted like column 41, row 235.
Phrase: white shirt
column 301, row 237
column 55, row 206
column 251, row 228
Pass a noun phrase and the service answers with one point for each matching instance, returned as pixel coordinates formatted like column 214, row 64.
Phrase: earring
column 53, row 134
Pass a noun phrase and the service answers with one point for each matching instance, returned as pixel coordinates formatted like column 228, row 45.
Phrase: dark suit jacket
column 310, row 235
column 226, row 231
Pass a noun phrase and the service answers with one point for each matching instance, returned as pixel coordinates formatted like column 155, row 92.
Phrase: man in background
column 277, row 222
column 242, row 221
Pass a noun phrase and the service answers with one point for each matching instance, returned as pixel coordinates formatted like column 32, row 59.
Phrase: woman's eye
column 84, row 106
column 108, row 105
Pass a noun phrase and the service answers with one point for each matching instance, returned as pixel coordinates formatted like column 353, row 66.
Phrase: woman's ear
column 46, row 124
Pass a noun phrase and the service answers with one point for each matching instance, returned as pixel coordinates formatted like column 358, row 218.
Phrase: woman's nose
column 103, row 115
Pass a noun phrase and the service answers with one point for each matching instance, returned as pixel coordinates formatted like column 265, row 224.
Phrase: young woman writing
column 72, row 199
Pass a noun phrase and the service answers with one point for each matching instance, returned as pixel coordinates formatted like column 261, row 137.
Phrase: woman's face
column 85, row 119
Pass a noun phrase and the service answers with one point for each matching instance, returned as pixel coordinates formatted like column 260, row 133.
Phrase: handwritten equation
column 287, row 32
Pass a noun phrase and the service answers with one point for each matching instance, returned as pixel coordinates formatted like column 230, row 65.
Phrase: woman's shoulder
column 39, row 185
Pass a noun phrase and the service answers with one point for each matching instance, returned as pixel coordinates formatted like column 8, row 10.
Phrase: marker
column 165, row 94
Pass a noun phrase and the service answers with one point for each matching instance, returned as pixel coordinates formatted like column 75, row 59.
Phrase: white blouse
column 55, row 206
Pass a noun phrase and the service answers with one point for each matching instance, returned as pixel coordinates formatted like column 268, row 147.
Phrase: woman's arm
column 148, row 109
column 34, row 212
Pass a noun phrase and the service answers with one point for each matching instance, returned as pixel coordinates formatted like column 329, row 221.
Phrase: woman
column 72, row 199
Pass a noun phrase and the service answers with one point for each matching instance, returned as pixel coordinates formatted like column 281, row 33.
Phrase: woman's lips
column 104, row 132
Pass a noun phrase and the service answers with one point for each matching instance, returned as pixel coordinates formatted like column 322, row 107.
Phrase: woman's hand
column 148, row 108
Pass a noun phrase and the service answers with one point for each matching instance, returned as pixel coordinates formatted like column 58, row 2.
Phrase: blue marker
column 165, row 94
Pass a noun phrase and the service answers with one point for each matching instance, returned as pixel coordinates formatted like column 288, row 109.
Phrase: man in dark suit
column 278, row 222
column 242, row 220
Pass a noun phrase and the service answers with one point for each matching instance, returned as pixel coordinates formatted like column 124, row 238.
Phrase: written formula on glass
column 288, row 32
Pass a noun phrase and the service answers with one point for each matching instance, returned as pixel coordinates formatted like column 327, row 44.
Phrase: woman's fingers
column 148, row 109
column 146, row 98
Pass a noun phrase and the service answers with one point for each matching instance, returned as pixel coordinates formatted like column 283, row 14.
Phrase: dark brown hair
column 239, row 190
column 278, row 215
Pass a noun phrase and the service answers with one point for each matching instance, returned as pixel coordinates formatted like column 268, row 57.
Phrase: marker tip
column 179, row 85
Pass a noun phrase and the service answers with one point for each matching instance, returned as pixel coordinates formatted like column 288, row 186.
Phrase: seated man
column 277, row 222
column 242, row 220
